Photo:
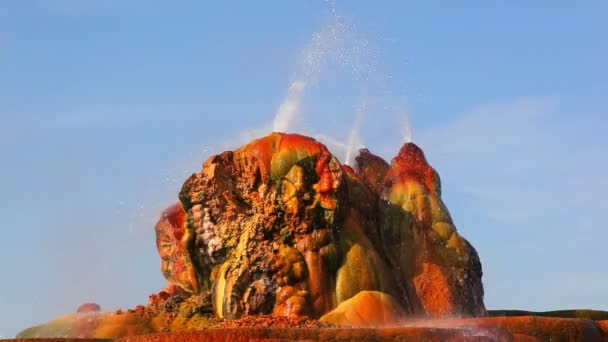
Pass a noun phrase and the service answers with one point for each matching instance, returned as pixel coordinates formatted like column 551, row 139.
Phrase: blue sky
column 108, row 106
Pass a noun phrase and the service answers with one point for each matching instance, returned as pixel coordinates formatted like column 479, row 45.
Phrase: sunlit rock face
column 279, row 227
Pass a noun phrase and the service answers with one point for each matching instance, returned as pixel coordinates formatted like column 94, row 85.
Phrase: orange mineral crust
column 410, row 165
column 272, row 328
column 172, row 241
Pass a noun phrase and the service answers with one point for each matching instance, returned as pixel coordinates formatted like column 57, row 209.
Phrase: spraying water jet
column 353, row 137
column 279, row 227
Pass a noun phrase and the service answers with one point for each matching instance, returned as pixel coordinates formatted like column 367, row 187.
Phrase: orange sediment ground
column 267, row 328
column 275, row 233
column 335, row 334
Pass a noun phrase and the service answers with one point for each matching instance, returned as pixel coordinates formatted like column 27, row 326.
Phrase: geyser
column 280, row 228
column 277, row 239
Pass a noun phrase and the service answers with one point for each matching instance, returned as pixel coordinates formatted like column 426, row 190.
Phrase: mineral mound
column 280, row 230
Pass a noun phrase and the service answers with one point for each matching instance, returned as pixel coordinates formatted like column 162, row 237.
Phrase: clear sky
column 107, row 106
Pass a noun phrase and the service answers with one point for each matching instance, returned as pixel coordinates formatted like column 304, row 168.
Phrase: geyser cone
column 280, row 227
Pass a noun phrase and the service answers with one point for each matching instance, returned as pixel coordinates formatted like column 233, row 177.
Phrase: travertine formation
column 279, row 228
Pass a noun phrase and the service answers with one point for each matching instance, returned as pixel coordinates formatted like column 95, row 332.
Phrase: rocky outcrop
column 274, row 231
column 279, row 226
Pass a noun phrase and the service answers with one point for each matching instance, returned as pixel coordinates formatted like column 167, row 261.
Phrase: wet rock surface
column 367, row 309
column 441, row 269
column 279, row 227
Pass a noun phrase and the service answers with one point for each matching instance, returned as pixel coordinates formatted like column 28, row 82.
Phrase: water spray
column 353, row 137
column 406, row 129
column 336, row 43
column 290, row 108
